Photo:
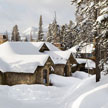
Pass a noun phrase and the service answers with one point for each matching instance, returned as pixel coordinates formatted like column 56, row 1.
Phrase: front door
column 45, row 76
column 66, row 70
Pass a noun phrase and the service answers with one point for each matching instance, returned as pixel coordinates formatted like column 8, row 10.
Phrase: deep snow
column 79, row 91
column 25, row 57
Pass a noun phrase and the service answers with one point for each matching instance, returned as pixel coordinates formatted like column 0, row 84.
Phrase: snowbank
column 80, row 75
column 61, row 81
column 67, row 92
column 93, row 98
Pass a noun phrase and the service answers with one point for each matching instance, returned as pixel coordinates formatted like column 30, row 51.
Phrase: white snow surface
column 91, row 4
column 68, row 92
column 22, row 63
column 25, row 56
column 61, row 81
column 80, row 75
column 74, row 49
column 89, row 64
column 59, row 57
column 78, row 1
column 24, row 48
column 87, row 48
column 104, row 10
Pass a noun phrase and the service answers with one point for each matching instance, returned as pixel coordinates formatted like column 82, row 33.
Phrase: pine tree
column 92, row 20
column 102, row 29
column 68, row 33
column 49, row 34
column 62, row 34
column 15, row 34
column 55, row 31
column 40, row 32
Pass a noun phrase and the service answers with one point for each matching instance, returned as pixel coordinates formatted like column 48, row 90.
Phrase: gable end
column 44, row 48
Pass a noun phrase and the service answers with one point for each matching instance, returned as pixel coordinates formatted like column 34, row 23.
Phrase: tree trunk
column 97, row 55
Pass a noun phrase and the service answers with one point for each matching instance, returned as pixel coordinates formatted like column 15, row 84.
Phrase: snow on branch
column 102, row 17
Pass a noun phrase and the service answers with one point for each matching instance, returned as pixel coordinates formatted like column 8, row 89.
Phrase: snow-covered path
column 89, row 94
column 87, row 99
column 67, row 92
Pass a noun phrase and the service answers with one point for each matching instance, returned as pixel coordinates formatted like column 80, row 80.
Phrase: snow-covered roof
column 87, row 48
column 74, row 49
column 89, row 64
column 22, row 63
column 59, row 57
column 52, row 47
column 26, row 56
column 24, row 48
column 23, row 56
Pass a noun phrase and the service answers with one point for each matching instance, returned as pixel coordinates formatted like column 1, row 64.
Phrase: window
column 89, row 55
column 4, row 37
column 45, row 76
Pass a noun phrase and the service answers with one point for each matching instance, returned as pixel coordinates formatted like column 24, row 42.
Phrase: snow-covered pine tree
column 84, row 18
column 93, row 16
column 55, row 31
column 40, row 32
column 68, row 33
column 49, row 33
column 102, row 28
column 53, row 34
column 15, row 34
column 56, row 34
column 62, row 35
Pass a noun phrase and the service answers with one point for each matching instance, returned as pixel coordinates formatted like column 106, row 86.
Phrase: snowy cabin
column 84, row 57
column 32, row 62
column 86, row 65
column 86, row 50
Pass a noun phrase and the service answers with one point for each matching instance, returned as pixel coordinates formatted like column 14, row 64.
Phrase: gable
column 49, row 62
column 44, row 48
column 72, row 59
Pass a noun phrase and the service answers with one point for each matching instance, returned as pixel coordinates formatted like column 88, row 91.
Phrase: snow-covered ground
column 78, row 91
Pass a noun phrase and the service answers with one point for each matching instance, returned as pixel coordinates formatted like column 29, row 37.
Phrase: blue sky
column 25, row 13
